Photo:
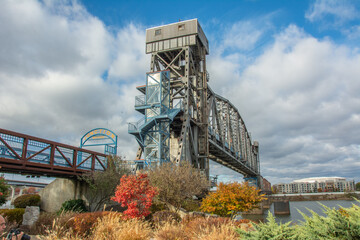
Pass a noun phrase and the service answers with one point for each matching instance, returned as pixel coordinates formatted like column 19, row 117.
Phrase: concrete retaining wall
column 59, row 191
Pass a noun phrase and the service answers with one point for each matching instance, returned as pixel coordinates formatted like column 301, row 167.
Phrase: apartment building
column 317, row 184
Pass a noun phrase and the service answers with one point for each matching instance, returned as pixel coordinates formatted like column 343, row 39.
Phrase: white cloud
column 53, row 57
column 353, row 33
column 299, row 99
column 341, row 11
column 130, row 60
column 242, row 35
column 235, row 47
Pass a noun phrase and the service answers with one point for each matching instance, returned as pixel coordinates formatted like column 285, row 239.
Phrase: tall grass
column 113, row 227
column 171, row 231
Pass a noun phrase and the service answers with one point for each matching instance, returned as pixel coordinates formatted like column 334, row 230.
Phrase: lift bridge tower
column 183, row 118
column 174, row 100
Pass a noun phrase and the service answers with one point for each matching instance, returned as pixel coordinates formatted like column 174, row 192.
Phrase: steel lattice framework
column 20, row 153
column 206, row 125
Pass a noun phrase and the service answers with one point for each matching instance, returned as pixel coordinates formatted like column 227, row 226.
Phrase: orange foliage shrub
column 232, row 198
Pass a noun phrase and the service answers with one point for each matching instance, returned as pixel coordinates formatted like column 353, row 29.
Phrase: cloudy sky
column 292, row 68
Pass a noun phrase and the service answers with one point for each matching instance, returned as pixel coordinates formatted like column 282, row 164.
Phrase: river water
column 303, row 206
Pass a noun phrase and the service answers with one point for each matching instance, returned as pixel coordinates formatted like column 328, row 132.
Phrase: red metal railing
column 20, row 153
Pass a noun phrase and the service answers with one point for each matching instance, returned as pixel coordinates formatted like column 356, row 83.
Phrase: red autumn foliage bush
column 135, row 193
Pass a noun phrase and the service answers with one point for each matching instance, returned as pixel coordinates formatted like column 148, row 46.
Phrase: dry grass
column 223, row 232
column 171, row 231
column 112, row 227
column 211, row 228
column 59, row 232
column 198, row 223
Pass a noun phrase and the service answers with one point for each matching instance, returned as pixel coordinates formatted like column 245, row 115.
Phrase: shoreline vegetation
column 311, row 197
column 337, row 224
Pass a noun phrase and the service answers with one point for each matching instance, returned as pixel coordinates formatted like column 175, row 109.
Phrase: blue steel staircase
column 141, row 128
column 153, row 131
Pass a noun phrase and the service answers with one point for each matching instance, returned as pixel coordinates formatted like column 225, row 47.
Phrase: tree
column 4, row 190
column 102, row 184
column 357, row 186
column 135, row 193
column 232, row 198
column 274, row 190
column 176, row 183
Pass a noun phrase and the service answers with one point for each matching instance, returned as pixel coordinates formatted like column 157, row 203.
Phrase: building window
column 181, row 27
column 157, row 32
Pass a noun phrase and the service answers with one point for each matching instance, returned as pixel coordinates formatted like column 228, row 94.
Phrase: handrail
column 140, row 100
column 28, row 154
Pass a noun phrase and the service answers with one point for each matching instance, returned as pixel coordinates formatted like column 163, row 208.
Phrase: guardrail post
column 52, row 155
column 92, row 162
column 24, row 150
column 75, row 154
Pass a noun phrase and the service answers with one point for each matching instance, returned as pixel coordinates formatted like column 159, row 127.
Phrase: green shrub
column 269, row 230
column 27, row 200
column 338, row 224
column 76, row 205
column 13, row 215
column 165, row 216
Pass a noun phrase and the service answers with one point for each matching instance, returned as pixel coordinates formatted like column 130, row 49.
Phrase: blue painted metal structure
column 153, row 131
column 101, row 137
column 20, row 153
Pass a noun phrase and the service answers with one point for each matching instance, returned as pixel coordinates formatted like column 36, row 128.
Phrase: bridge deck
column 20, row 153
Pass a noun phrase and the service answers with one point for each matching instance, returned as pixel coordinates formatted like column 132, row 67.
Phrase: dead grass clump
column 199, row 223
column 112, row 227
column 172, row 231
column 53, row 227
column 211, row 228
column 60, row 232
column 165, row 216
column 43, row 223
column 223, row 232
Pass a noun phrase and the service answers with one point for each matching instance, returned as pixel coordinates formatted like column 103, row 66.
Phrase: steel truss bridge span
column 230, row 143
column 24, row 154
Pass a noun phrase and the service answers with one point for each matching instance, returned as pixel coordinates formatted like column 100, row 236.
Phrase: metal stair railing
column 140, row 100
column 134, row 126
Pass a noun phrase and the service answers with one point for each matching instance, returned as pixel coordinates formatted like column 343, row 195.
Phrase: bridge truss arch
column 229, row 140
